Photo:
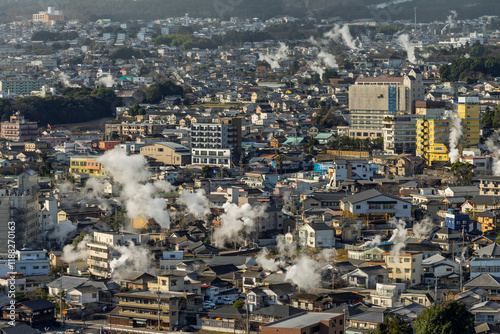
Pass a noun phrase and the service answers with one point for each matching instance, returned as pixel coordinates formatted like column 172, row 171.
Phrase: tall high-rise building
column 469, row 112
column 373, row 99
column 19, row 205
column 434, row 128
column 217, row 143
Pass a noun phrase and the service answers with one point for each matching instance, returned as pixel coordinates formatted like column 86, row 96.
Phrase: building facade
column 373, row 99
column 217, row 143
column 167, row 153
column 19, row 129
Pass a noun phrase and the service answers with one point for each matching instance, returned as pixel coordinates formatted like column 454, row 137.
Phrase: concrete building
column 373, row 99
column 19, row 211
column 399, row 134
column 23, row 86
column 348, row 169
column 131, row 130
column 50, row 16
column 217, row 143
column 86, row 164
column 433, row 136
column 29, row 262
column 404, row 267
column 168, row 153
column 138, row 309
column 469, row 112
column 18, row 129
column 101, row 251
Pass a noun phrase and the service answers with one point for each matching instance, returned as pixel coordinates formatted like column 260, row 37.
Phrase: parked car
column 208, row 304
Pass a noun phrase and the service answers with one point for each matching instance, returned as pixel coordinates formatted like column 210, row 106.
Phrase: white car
column 207, row 304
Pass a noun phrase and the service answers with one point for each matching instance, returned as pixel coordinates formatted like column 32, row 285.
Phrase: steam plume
column 196, row 203
column 236, row 221
column 62, row 231
column 274, row 59
column 377, row 240
column 78, row 253
column 404, row 41
column 305, row 273
column 455, row 134
column 343, row 34
column 494, row 148
column 398, row 238
column 137, row 194
column 131, row 258
column 423, row 228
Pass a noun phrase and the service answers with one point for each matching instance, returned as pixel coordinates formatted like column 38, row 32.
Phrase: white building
column 102, row 250
column 316, row 235
column 349, row 169
column 29, row 262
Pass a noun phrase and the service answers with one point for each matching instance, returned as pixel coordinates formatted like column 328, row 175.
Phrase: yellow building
column 86, row 165
column 433, row 134
column 404, row 268
column 469, row 112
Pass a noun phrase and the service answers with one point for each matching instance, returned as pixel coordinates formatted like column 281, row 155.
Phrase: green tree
column 464, row 172
column 393, row 324
column 449, row 318
column 238, row 304
column 206, row 172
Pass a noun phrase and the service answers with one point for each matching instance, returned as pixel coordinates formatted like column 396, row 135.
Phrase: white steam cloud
column 306, row 271
column 455, row 134
column 301, row 270
column 78, row 253
column 398, row 239
column 66, row 80
column 132, row 258
column 377, row 240
column 107, row 80
column 196, row 203
column 404, row 41
column 342, row 34
column 62, row 231
column 494, row 149
column 137, row 193
column 423, row 228
column 274, row 59
column 237, row 221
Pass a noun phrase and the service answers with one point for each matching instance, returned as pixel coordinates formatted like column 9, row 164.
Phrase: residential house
column 486, row 312
column 373, row 204
column 307, row 323
column 366, row 277
column 316, row 235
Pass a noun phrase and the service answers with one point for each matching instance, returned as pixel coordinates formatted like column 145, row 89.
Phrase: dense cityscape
column 297, row 174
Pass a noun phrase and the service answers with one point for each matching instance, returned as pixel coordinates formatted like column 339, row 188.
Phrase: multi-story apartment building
column 434, row 127
column 19, row 129
column 50, row 16
column 469, row 112
column 167, row 153
column 404, row 267
column 23, row 86
column 19, row 205
column 154, row 309
column 124, row 130
column 343, row 169
column 433, row 136
column 101, row 251
column 489, row 185
column 373, row 99
column 399, row 134
column 217, row 143
column 86, row 164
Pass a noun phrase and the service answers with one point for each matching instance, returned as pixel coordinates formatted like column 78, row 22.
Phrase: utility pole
column 60, row 300
column 248, row 317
